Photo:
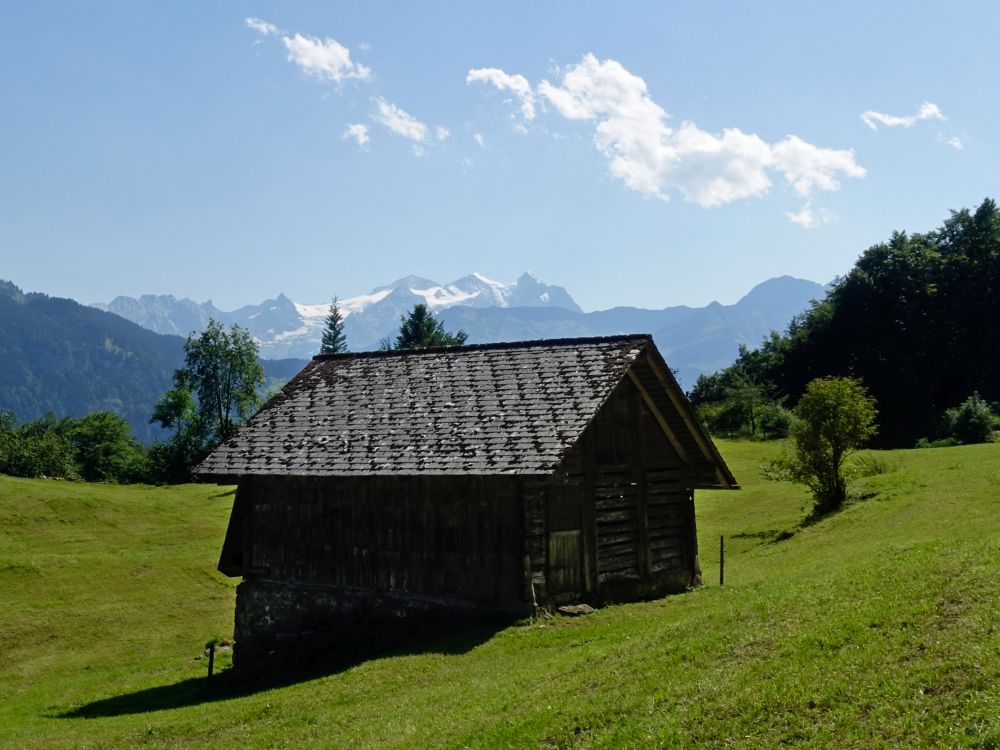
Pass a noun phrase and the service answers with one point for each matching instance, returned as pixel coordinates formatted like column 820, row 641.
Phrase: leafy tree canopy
column 213, row 394
column 834, row 417
column 222, row 370
column 917, row 319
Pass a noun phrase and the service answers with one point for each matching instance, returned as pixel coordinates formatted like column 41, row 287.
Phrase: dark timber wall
column 322, row 553
column 617, row 522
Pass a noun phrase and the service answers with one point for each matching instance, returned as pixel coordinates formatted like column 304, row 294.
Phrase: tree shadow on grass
column 318, row 657
column 768, row 536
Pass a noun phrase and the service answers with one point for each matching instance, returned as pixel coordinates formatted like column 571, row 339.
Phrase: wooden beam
column 659, row 417
column 669, row 385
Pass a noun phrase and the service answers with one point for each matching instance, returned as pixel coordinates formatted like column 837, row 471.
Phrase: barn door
column 565, row 543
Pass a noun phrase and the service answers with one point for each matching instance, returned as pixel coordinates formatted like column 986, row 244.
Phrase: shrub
column 971, row 422
column 775, row 421
column 834, row 417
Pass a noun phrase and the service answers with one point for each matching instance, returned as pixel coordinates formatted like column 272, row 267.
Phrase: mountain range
column 284, row 328
column 59, row 356
column 693, row 339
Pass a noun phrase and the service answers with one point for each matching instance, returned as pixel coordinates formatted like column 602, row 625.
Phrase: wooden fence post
column 722, row 560
column 211, row 658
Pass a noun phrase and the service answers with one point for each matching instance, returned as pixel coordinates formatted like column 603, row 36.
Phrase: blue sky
column 637, row 153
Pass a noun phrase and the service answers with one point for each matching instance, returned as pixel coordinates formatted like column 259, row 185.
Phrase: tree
column 834, row 417
column 105, row 449
column 421, row 330
column 213, row 394
column 222, row 370
column 177, row 410
column 40, row 448
column 972, row 422
column 334, row 339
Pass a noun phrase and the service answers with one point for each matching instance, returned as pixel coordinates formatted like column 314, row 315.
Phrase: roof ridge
column 485, row 347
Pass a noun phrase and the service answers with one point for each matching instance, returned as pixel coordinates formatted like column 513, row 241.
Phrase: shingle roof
column 482, row 409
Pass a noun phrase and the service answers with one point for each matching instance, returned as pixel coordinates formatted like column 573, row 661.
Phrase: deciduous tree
column 834, row 417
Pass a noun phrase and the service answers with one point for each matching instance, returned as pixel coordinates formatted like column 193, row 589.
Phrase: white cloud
column 442, row 133
column 325, row 59
column 956, row 143
column 261, row 27
column 651, row 157
column 479, row 139
column 808, row 218
column 358, row 132
column 806, row 166
column 516, row 84
column 927, row 111
column 399, row 121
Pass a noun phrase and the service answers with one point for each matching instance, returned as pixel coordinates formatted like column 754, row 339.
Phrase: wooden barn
column 478, row 479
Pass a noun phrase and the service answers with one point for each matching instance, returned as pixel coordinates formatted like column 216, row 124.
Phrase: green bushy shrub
column 971, row 422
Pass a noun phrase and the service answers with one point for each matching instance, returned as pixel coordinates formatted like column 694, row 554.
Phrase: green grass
column 877, row 627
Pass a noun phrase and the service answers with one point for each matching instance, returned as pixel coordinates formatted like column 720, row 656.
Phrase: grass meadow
column 876, row 627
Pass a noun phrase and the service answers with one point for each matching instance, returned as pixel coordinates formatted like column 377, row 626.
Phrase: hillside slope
column 874, row 628
column 69, row 359
column 60, row 356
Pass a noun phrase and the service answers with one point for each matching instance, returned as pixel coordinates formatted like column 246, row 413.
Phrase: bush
column 972, row 422
column 106, row 450
column 834, row 417
column 98, row 447
column 746, row 414
column 36, row 449
column 775, row 421
column 942, row 443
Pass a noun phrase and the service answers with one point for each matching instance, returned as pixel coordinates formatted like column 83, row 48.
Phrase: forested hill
column 917, row 319
column 60, row 356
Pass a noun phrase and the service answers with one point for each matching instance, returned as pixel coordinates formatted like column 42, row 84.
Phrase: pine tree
column 334, row 340
column 421, row 330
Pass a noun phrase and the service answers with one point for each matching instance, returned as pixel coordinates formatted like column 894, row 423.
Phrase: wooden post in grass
column 211, row 657
column 722, row 560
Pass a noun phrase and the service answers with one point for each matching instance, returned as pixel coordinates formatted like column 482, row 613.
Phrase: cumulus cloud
column 927, row 111
column 442, row 133
column 400, row 122
column 653, row 158
column 358, row 132
column 806, row 166
column 808, row 218
column 516, row 84
column 479, row 139
column 325, row 59
column 956, row 143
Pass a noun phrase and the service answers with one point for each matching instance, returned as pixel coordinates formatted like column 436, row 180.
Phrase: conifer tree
column 334, row 339
column 421, row 330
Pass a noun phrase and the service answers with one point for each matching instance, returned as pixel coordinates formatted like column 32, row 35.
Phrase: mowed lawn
column 877, row 627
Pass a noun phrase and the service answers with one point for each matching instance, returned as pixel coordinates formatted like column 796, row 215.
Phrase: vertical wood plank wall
column 445, row 536
column 637, row 507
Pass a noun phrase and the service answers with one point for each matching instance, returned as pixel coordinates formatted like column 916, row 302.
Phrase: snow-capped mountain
column 284, row 328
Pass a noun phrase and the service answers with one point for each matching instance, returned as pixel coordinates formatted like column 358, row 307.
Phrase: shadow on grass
column 768, row 536
column 296, row 666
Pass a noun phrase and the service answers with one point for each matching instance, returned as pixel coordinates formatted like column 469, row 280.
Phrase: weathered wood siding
column 445, row 536
column 626, row 490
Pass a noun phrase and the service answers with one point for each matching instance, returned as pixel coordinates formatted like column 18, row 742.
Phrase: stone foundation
column 286, row 617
